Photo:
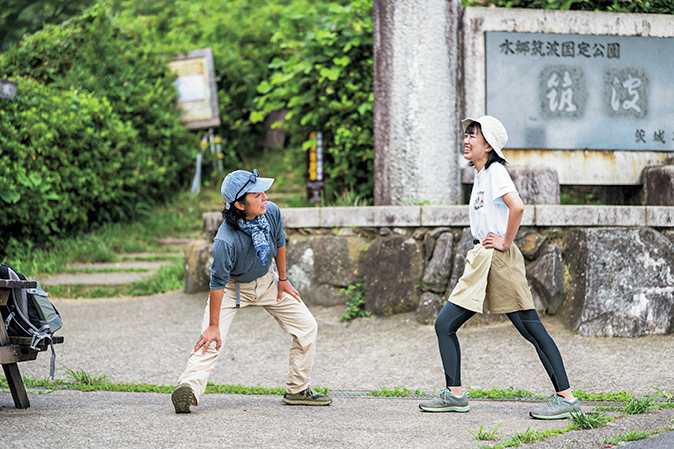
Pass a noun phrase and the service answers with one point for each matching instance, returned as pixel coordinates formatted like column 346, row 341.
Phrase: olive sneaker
column 183, row 398
column 307, row 397
column 556, row 408
column 446, row 401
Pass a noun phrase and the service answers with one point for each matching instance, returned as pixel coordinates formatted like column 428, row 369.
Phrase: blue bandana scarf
column 258, row 230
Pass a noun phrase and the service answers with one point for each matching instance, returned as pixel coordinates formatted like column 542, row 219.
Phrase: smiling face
column 475, row 148
column 255, row 204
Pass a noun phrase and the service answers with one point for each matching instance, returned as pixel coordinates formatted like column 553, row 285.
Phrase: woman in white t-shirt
column 494, row 278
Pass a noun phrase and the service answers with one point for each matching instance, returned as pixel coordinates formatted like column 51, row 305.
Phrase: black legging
column 452, row 317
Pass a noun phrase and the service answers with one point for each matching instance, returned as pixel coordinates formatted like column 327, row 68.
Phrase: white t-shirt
column 488, row 213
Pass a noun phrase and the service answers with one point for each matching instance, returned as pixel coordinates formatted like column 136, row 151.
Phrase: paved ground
column 147, row 340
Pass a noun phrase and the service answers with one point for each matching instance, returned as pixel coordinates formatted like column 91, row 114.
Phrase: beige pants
column 293, row 317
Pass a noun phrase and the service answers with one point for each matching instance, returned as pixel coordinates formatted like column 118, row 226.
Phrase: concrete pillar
column 416, row 101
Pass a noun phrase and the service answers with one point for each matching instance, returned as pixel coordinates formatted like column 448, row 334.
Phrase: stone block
column 301, row 217
column 403, row 216
column 320, row 266
column 590, row 215
column 392, row 269
column 197, row 266
column 444, row 216
column 660, row 185
column 462, row 249
column 530, row 244
column 660, row 216
column 546, row 279
column 347, row 216
column 622, row 282
column 536, row 185
column 436, row 275
column 430, row 305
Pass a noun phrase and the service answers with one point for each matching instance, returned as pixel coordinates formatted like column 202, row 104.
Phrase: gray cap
column 493, row 131
column 240, row 182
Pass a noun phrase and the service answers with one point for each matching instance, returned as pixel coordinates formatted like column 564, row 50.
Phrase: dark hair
column 232, row 215
column 493, row 156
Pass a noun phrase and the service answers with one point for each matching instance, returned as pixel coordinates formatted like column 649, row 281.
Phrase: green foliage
column 356, row 303
column 18, row 17
column 619, row 396
column 632, row 435
column 582, row 421
column 496, row 393
column 239, row 33
column 80, row 376
column 324, row 80
column 92, row 135
column 399, row 391
column 628, row 6
column 637, row 406
column 486, row 435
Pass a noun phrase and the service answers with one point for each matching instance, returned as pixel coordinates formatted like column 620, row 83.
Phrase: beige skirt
column 493, row 280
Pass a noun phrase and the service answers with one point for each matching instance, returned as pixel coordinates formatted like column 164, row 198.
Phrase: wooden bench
column 16, row 349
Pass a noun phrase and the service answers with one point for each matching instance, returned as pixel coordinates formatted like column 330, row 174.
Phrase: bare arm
column 284, row 286
column 212, row 332
column 516, row 207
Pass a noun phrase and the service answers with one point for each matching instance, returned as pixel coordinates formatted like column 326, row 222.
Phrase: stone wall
column 581, row 261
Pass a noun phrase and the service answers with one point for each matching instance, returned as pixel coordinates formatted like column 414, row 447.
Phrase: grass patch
column 486, row 435
column 400, row 391
column 496, row 393
column 528, row 436
column 355, row 305
column 83, row 381
column 637, row 406
column 633, row 435
column 583, row 420
column 620, row 396
column 167, row 278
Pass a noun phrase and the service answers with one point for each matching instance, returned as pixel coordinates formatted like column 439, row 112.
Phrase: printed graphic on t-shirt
column 479, row 200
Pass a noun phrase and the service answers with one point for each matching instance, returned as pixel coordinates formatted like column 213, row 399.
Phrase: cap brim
column 467, row 121
column 261, row 185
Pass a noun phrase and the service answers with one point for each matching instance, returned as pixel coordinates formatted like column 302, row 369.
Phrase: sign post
column 316, row 183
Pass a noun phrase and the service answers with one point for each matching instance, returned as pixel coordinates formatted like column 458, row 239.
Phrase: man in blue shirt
column 250, row 236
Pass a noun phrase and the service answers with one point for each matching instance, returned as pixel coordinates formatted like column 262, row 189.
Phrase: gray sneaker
column 307, row 397
column 556, row 408
column 446, row 401
column 183, row 398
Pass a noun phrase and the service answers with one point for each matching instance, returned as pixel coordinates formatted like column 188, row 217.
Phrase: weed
column 396, row 392
column 632, row 435
column 583, row 421
column 607, row 408
column 669, row 395
column 528, row 436
column 637, row 406
column 495, row 393
column 620, row 396
column 349, row 198
column 483, row 435
column 82, row 377
column 356, row 303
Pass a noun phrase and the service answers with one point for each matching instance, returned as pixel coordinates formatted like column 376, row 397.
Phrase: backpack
column 31, row 314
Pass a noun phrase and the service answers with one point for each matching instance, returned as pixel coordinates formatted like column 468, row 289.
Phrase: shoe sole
column 305, row 402
column 558, row 416
column 454, row 408
column 182, row 398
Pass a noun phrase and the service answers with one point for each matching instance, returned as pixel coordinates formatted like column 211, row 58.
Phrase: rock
column 430, row 238
column 546, row 279
column 536, row 185
column 436, row 275
column 197, row 273
column 660, row 185
column 465, row 245
column 320, row 266
column 622, row 283
column 530, row 245
column 392, row 269
column 430, row 305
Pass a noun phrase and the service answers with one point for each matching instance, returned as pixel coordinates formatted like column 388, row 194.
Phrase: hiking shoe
column 182, row 398
column 556, row 408
column 446, row 401
column 307, row 397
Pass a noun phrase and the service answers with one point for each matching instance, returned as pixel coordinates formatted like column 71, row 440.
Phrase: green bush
column 239, row 34
column 100, row 141
column 629, row 6
column 325, row 82
column 66, row 161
